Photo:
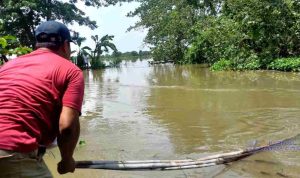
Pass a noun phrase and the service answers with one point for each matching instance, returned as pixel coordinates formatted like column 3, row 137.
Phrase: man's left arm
column 69, row 127
column 69, row 130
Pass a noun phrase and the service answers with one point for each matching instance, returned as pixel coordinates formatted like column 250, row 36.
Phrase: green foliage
column 270, row 26
column 217, row 38
column 9, row 45
column 252, row 63
column 116, row 54
column 96, row 63
column 168, row 23
column 101, row 45
column 116, row 58
column 222, row 64
column 21, row 17
column 249, row 65
column 248, row 33
column 144, row 53
column 129, row 54
column 80, row 61
column 285, row 64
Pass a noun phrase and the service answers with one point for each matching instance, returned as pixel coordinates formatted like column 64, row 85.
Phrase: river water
column 142, row 112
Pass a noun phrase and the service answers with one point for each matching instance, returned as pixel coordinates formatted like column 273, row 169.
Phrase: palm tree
column 101, row 45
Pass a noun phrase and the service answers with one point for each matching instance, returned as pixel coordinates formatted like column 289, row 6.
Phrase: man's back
column 33, row 89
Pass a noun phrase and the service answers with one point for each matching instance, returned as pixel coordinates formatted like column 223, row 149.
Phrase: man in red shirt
column 41, row 96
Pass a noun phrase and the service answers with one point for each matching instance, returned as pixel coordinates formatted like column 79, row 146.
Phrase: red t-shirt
column 33, row 89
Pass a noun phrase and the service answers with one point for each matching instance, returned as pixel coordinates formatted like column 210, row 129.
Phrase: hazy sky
column 112, row 20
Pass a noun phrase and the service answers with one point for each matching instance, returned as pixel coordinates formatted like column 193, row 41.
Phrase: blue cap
column 52, row 32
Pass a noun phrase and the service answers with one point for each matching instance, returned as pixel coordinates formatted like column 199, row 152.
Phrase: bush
column 250, row 62
column 96, row 63
column 251, row 65
column 285, row 64
column 222, row 64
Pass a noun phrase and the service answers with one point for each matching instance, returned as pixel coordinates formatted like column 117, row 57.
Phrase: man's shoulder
column 67, row 64
column 55, row 58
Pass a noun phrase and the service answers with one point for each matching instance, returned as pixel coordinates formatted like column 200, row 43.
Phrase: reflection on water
column 176, row 112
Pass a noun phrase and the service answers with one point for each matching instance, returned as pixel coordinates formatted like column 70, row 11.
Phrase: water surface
column 141, row 112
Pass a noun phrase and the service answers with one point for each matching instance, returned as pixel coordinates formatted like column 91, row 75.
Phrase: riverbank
column 280, row 64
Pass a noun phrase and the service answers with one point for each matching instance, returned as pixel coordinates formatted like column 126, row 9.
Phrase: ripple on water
column 263, row 125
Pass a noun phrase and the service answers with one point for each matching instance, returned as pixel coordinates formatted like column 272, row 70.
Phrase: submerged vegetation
column 88, row 58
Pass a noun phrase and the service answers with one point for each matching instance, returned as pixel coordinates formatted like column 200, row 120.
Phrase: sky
column 112, row 20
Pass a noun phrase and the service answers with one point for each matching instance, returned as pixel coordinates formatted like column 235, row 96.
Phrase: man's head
column 55, row 36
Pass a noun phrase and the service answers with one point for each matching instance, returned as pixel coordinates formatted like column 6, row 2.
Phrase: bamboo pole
column 180, row 164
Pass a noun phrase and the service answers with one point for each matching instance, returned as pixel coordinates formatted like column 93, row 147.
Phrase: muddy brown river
column 142, row 112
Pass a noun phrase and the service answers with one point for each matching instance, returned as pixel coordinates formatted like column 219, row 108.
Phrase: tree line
column 226, row 34
column 129, row 54
column 21, row 17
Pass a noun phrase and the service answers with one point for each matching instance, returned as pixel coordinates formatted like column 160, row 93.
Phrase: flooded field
column 142, row 112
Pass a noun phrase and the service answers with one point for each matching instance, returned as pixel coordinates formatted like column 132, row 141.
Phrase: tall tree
column 269, row 25
column 169, row 23
column 248, row 34
column 21, row 17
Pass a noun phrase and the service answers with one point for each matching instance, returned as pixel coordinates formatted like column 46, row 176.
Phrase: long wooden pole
column 181, row 164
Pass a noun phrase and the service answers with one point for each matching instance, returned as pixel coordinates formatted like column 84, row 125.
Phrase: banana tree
column 101, row 45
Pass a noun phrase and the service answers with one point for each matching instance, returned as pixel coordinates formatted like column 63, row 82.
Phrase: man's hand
column 65, row 166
